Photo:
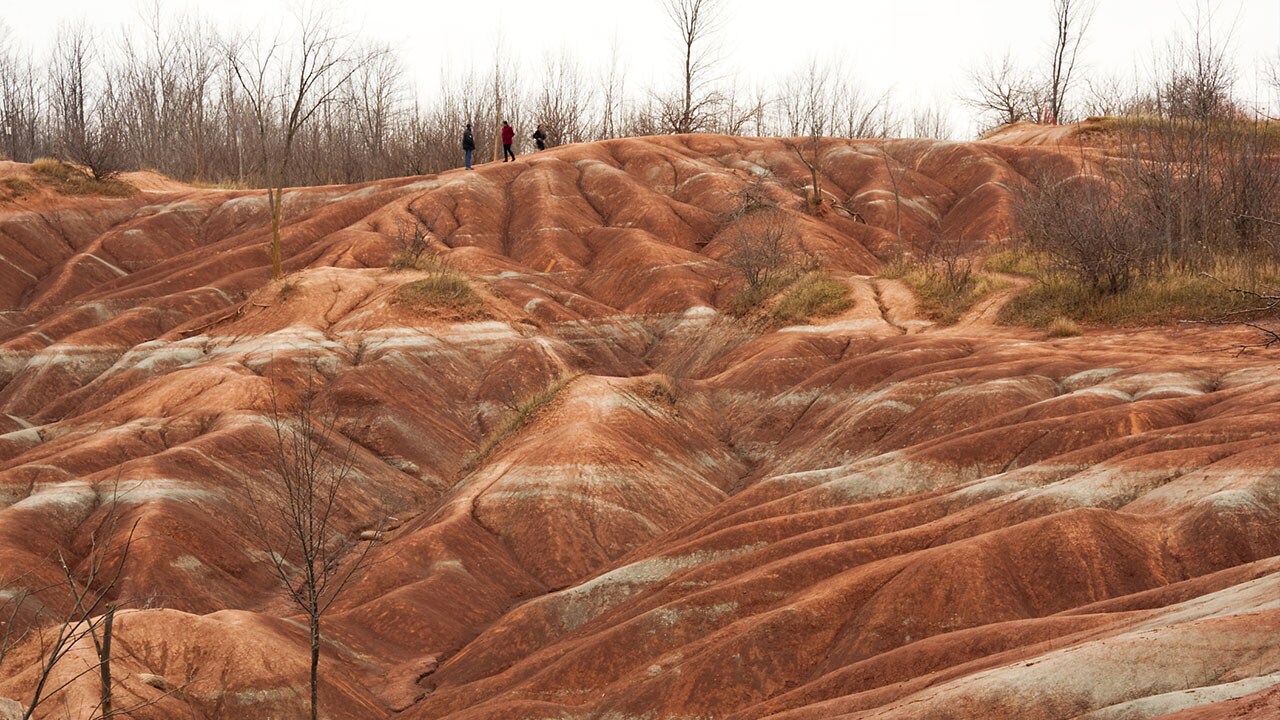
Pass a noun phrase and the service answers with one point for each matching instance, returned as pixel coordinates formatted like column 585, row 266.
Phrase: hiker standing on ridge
column 468, row 144
column 508, row 135
column 540, row 137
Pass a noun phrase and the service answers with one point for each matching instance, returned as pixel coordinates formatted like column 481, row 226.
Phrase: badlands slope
column 868, row 517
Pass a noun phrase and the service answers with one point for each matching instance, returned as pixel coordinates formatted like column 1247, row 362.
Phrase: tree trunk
column 104, row 664
column 277, row 198
column 897, row 203
column 815, row 200
column 686, row 116
column 315, row 663
column 497, row 109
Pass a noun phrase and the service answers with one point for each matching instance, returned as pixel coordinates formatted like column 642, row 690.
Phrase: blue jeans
column 468, row 152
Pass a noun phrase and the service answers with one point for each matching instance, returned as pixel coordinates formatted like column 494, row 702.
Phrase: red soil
column 861, row 518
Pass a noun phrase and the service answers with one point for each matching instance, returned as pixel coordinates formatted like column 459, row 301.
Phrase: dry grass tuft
column 66, row 179
column 752, row 296
column 662, row 389
column 814, row 294
column 1062, row 328
column 941, row 299
column 443, row 289
column 525, row 412
column 1017, row 260
column 444, row 292
column 15, row 188
column 1160, row 297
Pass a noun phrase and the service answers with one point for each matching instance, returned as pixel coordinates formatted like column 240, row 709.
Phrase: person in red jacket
column 508, row 136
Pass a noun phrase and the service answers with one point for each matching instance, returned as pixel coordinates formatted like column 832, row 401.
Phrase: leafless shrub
column 1108, row 95
column 760, row 249
column 412, row 237
column 752, row 197
column 1090, row 228
column 948, row 254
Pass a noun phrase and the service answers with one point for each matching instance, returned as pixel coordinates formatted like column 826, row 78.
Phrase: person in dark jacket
column 508, row 136
column 468, row 144
column 540, row 137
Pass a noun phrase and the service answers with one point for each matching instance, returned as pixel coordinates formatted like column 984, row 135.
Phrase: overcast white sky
column 919, row 49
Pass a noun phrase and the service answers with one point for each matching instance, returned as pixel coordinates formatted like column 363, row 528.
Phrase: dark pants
column 468, row 152
column 507, row 153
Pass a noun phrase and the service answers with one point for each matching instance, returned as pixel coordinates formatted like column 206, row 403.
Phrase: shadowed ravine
column 865, row 517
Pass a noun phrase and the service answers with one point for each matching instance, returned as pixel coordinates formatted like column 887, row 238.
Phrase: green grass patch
column 1158, row 298
column 66, row 179
column 814, row 294
column 525, row 411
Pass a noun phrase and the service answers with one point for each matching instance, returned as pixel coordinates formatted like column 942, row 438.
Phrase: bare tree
column 198, row 67
column 1199, row 76
column 612, row 93
column 295, row 515
column 22, row 104
column 88, row 595
column 897, row 199
column 1072, row 19
column 813, row 161
column 561, row 103
column 696, row 23
column 808, row 100
column 285, row 85
column 85, row 100
column 374, row 99
column 931, row 122
column 8, row 72
column 1001, row 94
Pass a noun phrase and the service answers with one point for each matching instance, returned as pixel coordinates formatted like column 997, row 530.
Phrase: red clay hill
column 859, row 516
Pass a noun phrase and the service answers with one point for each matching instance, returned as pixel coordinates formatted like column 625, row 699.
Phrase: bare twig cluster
column 295, row 515
column 1092, row 229
column 59, row 618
